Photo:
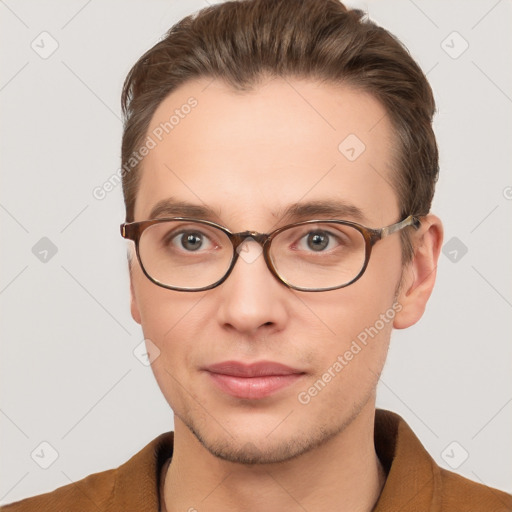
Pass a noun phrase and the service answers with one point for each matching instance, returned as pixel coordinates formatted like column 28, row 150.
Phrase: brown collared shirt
column 414, row 482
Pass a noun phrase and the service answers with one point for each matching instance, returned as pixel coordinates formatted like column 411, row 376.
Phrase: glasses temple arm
column 412, row 220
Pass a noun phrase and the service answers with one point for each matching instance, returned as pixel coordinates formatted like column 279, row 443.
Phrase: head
column 247, row 108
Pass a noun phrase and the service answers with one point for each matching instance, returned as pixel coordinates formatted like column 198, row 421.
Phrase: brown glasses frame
column 133, row 231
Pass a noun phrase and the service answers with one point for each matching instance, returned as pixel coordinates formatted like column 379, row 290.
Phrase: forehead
column 247, row 155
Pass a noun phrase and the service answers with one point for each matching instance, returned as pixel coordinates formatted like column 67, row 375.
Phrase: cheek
column 349, row 311
column 347, row 368
column 161, row 310
column 168, row 321
column 358, row 322
column 171, row 321
column 360, row 326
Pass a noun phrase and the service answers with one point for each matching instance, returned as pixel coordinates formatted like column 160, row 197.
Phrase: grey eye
column 191, row 241
column 318, row 241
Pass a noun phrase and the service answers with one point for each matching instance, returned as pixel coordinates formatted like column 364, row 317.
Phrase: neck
column 344, row 474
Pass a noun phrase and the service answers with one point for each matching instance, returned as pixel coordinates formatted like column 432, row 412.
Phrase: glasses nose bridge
column 239, row 238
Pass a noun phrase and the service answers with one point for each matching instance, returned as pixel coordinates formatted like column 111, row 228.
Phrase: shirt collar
column 413, row 478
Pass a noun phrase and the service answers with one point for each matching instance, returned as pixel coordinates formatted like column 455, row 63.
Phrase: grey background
column 68, row 373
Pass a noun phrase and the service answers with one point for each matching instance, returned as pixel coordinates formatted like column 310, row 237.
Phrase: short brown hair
column 240, row 42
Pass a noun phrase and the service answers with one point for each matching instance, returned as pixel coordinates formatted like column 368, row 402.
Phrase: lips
column 252, row 381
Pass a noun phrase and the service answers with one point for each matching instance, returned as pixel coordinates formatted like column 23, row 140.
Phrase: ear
column 134, row 307
column 419, row 275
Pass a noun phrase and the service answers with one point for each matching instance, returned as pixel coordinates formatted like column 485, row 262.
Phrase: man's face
column 249, row 156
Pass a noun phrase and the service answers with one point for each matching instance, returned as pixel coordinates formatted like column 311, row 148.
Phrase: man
column 279, row 168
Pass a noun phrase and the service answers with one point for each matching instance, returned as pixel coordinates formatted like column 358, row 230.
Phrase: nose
column 251, row 298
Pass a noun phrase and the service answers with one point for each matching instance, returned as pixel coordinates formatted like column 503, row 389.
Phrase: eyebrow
column 325, row 208
column 172, row 208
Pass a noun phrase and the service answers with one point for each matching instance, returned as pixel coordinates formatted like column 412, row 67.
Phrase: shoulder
column 92, row 493
column 415, row 482
column 132, row 487
column 459, row 493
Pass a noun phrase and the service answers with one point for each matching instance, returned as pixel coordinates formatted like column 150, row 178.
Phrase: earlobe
column 420, row 274
column 134, row 308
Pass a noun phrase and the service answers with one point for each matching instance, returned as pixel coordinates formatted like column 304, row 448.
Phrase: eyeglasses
column 192, row 255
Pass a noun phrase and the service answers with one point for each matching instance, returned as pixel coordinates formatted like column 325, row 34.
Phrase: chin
column 255, row 443
column 251, row 450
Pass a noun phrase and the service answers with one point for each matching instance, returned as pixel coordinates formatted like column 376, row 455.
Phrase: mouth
column 252, row 381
